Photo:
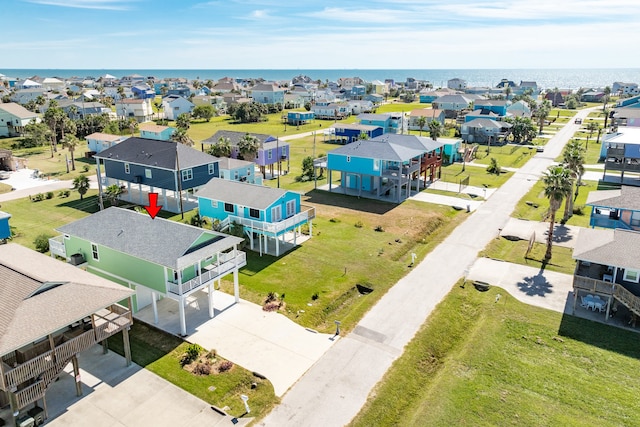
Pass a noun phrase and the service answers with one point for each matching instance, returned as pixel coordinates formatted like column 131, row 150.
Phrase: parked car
column 4, row 175
column 578, row 121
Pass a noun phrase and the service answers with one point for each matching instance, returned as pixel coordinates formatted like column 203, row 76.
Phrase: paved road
column 332, row 392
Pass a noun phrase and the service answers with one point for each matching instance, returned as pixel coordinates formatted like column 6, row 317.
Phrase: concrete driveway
column 117, row 395
column 563, row 235
column 267, row 343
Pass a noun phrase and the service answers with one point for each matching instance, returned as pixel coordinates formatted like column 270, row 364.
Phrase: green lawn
column 478, row 176
column 4, row 188
column 30, row 219
column 514, row 252
column 398, row 107
column 512, row 156
column 536, row 197
column 160, row 353
column 592, row 153
column 476, row 362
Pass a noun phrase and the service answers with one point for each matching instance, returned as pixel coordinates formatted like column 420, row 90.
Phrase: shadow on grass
column 257, row 263
column 148, row 343
column 349, row 202
column 600, row 335
column 87, row 204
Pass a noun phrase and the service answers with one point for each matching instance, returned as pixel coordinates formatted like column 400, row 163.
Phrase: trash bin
column 37, row 413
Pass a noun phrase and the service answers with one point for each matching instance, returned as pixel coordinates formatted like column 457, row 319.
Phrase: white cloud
column 87, row 4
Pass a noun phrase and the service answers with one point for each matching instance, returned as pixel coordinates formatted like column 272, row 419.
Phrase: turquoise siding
column 215, row 208
column 353, row 164
column 5, row 230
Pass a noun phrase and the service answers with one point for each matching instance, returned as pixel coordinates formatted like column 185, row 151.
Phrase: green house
column 157, row 258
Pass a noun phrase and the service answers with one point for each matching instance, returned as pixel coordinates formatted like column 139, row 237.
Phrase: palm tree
column 573, row 160
column 606, row 97
column 222, row 148
column 81, row 183
column 248, row 147
column 542, row 111
column 181, row 136
column 112, row 193
column 421, row 122
column 70, row 142
column 591, row 127
column 435, row 129
column 557, row 186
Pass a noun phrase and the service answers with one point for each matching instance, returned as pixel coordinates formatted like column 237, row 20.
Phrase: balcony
column 276, row 228
column 40, row 363
column 227, row 262
column 605, row 221
column 56, row 246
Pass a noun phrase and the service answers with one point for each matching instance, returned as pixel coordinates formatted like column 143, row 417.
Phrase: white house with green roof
column 157, row 258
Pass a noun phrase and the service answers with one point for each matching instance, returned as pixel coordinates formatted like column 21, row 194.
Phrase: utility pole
column 278, row 154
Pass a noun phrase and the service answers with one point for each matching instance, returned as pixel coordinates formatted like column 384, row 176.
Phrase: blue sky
column 265, row 34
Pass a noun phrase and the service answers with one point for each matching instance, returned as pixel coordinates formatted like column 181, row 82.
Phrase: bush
column 225, row 366
column 359, row 224
column 49, row 195
column 42, row 243
column 379, row 229
column 578, row 210
column 494, row 167
column 315, row 296
column 85, row 168
column 202, row 369
column 191, row 354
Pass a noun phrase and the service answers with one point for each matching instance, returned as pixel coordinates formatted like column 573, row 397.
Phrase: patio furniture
column 607, row 278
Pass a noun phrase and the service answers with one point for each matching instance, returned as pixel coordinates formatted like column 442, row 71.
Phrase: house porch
column 139, row 194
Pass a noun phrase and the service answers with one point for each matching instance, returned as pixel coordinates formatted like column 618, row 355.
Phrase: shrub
column 225, row 366
column 359, row 224
column 202, row 369
column 191, row 354
column 334, row 220
column 315, row 296
column 42, row 243
column 49, row 195
column 85, row 168
column 494, row 167
column 578, row 210
column 379, row 229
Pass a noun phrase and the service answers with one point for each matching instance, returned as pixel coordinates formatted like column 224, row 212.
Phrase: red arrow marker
column 153, row 207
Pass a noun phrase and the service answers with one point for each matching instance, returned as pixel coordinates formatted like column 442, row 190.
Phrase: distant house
column 615, row 208
column 627, row 116
column 452, row 150
column 239, row 170
column 149, row 166
column 174, row 105
column 484, row 131
column 497, row 106
column 389, row 122
column 297, row 118
column 51, row 312
column 527, row 86
column 452, row 103
column 139, row 109
column 430, row 114
column 557, row 98
column 23, row 96
column 350, row 132
column 621, row 153
column 360, row 106
column 13, row 119
column 153, row 131
column 155, row 257
column 143, row 91
column 265, row 213
column 374, row 98
column 77, row 109
column 386, row 166
column 5, row 230
column 97, row 142
column 592, row 96
column 267, row 93
column 331, row 111
column 457, row 83
column 271, row 152
column 519, row 109
column 481, row 114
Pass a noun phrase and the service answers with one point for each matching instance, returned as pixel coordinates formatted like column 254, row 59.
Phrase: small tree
column 307, row 168
column 183, row 121
column 494, row 167
column 71, row 142
column 203, row 112
column 435, row 129
column 41, row 243
column 421, row 122
column 248, row 147
column 112, row 193
column 81, row 184
column 222, row 148
column 181, row 136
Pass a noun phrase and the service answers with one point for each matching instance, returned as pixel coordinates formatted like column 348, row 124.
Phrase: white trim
column 95, row 254
column 127, row 168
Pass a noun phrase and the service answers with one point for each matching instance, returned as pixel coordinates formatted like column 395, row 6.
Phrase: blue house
column 239, row 170
column 5, row 230
column 140, row 166
column 389, row 122
column 497, row 106
column 615, row 208
column 143, row 91
column 157, row 132
column 629, row 102
column 481, row 114
column 350, row 132
column 264, row 213
column 296, row 118
column 358, row 92
column 386, row 166
column 267, row 93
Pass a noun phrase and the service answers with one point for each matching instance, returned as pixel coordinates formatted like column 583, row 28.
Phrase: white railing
column 276, row 228
column 56, row 246
column 226, row 263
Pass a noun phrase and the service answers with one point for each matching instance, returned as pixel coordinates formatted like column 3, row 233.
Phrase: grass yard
column 476, row 362
column 478, row 176
column 319, row 278
column 4, row 188
column 592, row 153
column 560, row 112
column 514, row 252
column 160, row 353
column 463, row 196
column 398, row 107
column 30, row 219
column 536, row 197
column 511, row 156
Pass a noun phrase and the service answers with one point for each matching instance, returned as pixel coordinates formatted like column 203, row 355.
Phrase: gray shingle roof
column 158, row 240
column 487, row 123
column 161, row 154
column 17, row 110
column 25, row 318
column 619, row 247
column 626, row 198
column 240, row 193
column 377, row 149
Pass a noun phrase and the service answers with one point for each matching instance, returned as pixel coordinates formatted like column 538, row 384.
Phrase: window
column 276, row 214
column 147, row 173
column 248, row 171
column 631, row 275
column 291, row 208
column 236, row 175
column 212, row 169
column 127, row 169
column 187, row 174
column 94, row 252
column 254, row 213
column 348, row 159
column 228, row 207
column 175, row 275
column 214, row 203
column 635, row 218
column 270, row 154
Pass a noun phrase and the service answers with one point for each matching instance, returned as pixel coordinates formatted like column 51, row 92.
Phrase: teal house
column 266, row 214
column 156, row 258
column 5, row 230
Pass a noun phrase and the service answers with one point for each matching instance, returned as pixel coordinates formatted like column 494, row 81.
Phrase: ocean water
column 545, row 78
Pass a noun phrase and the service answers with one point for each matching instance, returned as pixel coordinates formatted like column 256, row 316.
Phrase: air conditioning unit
column 76, row 259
